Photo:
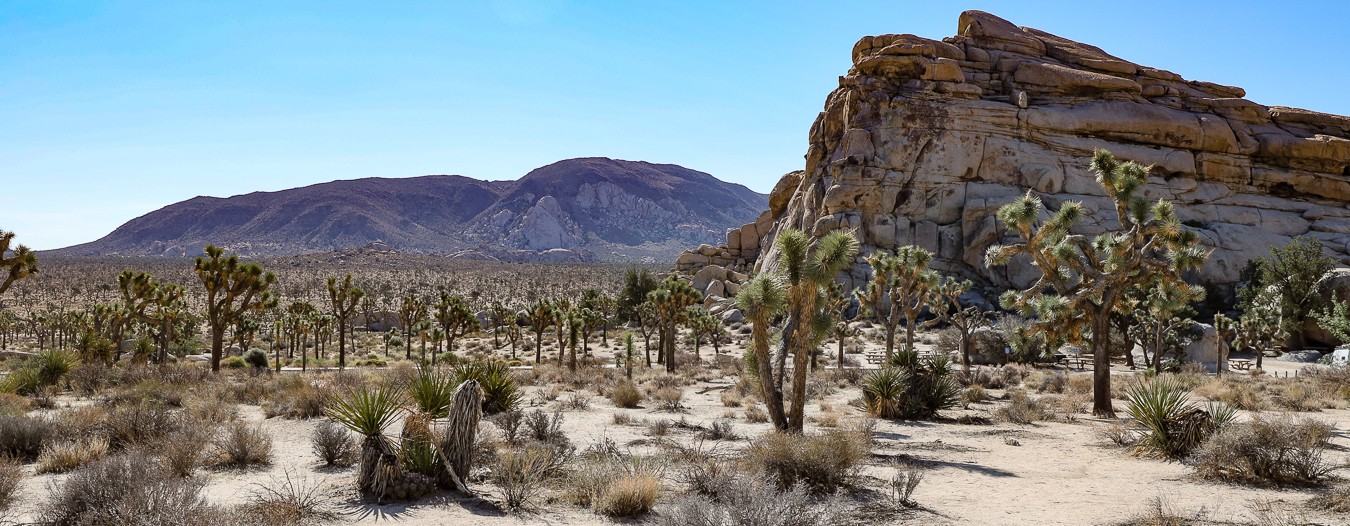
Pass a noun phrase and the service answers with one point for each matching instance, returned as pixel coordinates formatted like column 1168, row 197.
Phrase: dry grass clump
column 630, row 495
column 522, row 473
column 1335, row 500
column 577, row 401
column 755, row 414
column 60, row 457
column 732, row 398
column 823, row 463
column 1022, row 409
column 625, row 395
column 242, row 445
column 613, row 483
column 333, row 444
column 150, row 390
column 668, row 399
column 1277, row 449
column 11, row 473
column 22, row 436
column 182, row 449
column 296, row 397
column 138, row 423
column 1236, row 391
column 14, row 405
column 290, row 500
column 754, row 501
column 974, row 394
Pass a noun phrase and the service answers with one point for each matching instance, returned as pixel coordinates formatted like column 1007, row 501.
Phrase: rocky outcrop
column 924, row 139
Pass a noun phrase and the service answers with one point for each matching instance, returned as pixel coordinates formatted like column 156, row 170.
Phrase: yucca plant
column 368, row 411
column 499, row 388
column 1174, row 425
column 431, row 391
column 884, row 392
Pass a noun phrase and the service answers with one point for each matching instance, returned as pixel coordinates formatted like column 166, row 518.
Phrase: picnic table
column 1240, row 364
column 876, row 357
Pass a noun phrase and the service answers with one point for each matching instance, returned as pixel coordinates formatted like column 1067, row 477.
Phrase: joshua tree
column 838, row 304
column 411, row 311
column 343, row 298
column 808, row 271
column 562, row 308
column 900, row 290
column 499, row 317
column 455, row 318
column 1159, row 315
column 669, row 301
column 628, row 355
column 1262, row 325
column 645, row 314
column 945, row 302
column 232, row 289
column 763, row 299
column 636, row 284
column 156, row 305
column 576, row 321
column 19, row 265
column 1295, row 271
column 1083, row 278
column 601, row 307
column 540, row 317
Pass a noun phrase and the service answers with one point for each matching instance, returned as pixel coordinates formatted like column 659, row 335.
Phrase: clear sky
column 109, row 110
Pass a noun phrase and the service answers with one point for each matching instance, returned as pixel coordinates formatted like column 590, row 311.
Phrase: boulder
column 706, row 275
column 1205, row 349
column 1300, row 356
column 715, row 288
column 733, row 316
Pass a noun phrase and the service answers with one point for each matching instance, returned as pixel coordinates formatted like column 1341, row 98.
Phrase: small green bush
column 256, row 358
column 233, row 362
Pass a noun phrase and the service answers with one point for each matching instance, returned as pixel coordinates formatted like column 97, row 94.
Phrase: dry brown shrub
column 241, row 445
column 11, row 474
column 668, row 398
column 1336, row 499
column 1022, row 409
column 60, row 457
column 755, row 415
column 824, row 462
column 1279, row 449
column 22, row 437
column 628, row 496
column 625, row 395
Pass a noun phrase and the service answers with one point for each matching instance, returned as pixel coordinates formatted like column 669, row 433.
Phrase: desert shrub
column 659, row 428
column 1119, row 434
column 233, row 362
column 542, row 427
column 499, row 387
column 289, row 500
column 241, row 445
column 509, row 422
column 755, row 414
column 333, row 444
column 11, row 474
column 722, row 430
column 1279, row 449
column 147, row 391
column 625, row 395
column 974, row 394
column 14, row 405
column 138, row 423
column 22, row 437
column 1173, row 426
column 1336, row 500
column 130, row 488
column 256, row 358
column 88, row 379
column 902, row 485
column 1055, row 382
column 577, row 401
column 44, row 369
column 732, row 398
column 182, row 449
column 668, row 398
column 305, row 400
column 60, row 457
column 521, row 474
column 910, row 388
column 755, row 502
column 823, row 463
column 1242, row 393
column 629, row 495
column 1022, row 409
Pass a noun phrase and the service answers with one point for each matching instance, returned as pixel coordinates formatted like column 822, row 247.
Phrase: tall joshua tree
column 540, row 316
column 412, row 310
column 455, row 318
column 762, row 300
column 945, row 302
column 1083, row 278
column 669, row 301
column 23, row 263
column 154, row 304
column 808, row 271
column 343, row 297
column 232, row 289
column 900, row 289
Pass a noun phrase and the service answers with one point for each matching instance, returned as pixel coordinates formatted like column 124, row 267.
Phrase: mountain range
column 576, row 210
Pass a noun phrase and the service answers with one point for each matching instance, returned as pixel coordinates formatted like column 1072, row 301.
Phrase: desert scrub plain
column 92, row 437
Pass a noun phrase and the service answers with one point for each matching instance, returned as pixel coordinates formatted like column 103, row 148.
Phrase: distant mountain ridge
column 586, row 209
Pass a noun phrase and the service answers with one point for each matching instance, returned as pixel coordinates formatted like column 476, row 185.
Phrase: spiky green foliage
column 1174, row 426
column 431, row 391
column 540, row 317
column 1159, row 316
column 15, row 263
column 1262, row 326
column 367, row 410
column 343, row 297
column 500, row 393
column 669, row 301
column 901, row 287
column 910, row 387
column 232, row 289
column 761, row 300
column 808, row 270
column 1083, row 278
column 455, row 318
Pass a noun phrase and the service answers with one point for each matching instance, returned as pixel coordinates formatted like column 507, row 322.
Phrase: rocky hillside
column 574, row 210
column 924, row 139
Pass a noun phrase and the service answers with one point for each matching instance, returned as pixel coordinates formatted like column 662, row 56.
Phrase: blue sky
column 109, row 110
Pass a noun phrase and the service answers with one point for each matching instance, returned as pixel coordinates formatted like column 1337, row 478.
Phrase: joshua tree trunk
column 1101, row 366
column 461, row 428
column 773, row 395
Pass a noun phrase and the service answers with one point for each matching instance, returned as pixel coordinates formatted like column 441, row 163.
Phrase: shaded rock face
column 924, row 140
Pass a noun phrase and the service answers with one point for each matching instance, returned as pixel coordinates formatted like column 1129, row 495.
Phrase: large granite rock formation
column 924, row 139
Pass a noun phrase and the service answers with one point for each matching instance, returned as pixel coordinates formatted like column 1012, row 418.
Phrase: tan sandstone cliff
column 923, row 140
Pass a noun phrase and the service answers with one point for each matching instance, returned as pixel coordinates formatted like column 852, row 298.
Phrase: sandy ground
column 1048, row 473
